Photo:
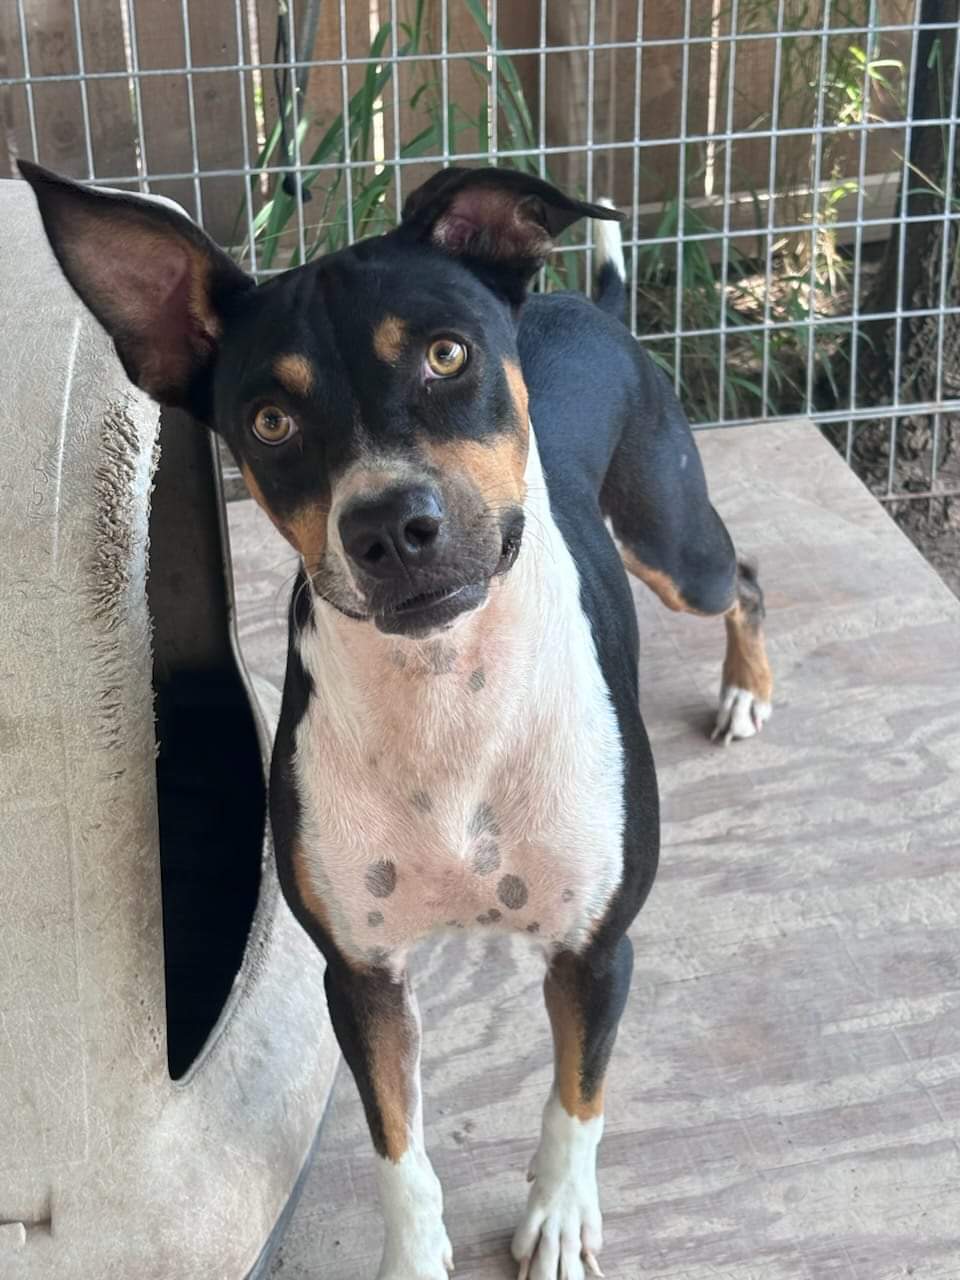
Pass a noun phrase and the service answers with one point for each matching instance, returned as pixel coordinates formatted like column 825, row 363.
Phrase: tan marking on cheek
column 746, row 664
column 257, row 494
column 496, row 468
column 305, row 530
column 308, row 533
column 295, row 374
column 390, row 339
column 661, row 584
column 567, row 1026
column 518, row 393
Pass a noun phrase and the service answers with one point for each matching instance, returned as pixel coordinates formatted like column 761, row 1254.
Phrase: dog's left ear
column 159, row 286
column 500, row 222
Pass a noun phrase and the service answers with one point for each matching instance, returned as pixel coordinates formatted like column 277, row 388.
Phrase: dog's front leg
column 375, row 1017
column 561, row 1232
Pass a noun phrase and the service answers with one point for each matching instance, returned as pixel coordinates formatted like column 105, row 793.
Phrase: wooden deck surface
column 784, row 1100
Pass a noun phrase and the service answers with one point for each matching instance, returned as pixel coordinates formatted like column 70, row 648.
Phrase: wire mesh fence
column 786, row 167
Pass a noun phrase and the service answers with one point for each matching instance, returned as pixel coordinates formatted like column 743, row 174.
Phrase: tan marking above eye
column 295, row 374
column 446, row 357
column 389, row 339
column 272, row 426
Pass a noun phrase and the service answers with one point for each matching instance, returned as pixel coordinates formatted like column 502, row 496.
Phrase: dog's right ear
column 501, row 223
column 158, row 285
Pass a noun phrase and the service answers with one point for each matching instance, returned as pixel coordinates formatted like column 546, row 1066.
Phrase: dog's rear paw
column 741, row 714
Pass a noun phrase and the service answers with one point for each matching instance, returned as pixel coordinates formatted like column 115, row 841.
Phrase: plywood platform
column 784, row 1101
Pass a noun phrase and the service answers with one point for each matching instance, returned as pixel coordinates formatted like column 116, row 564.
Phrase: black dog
column 460, row 742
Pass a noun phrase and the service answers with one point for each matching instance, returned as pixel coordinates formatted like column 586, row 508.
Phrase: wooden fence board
column 266, row 34
column 519, row 28
column 218, row 105
column 113, row 125
column 252, row 81
column 164, row 102
column 15, row 139
column 57, row 104
column 324, row 103
column 409, row 79
column 466, row 97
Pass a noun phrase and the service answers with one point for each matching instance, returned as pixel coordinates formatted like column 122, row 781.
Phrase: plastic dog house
column 165, row 1056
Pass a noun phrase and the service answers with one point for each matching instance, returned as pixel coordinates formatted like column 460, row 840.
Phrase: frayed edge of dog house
column 119, row 555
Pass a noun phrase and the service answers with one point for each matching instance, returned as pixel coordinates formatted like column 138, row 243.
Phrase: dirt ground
column 936, row 532
column 933, row 526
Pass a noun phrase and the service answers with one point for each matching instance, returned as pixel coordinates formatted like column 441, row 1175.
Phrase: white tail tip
column 609, row 243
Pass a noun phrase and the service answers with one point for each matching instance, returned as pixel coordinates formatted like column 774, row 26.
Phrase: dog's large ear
column 154, row 280
column 501, row 222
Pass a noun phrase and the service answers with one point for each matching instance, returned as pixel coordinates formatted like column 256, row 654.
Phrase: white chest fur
column 471, row 780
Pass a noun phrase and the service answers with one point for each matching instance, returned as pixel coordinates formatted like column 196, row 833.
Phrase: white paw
column 420, row 1259
column 741, row 714
column 562, row 1230
column 417, row 1246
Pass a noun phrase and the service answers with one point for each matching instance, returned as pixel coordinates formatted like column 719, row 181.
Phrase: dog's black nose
column 398, row 531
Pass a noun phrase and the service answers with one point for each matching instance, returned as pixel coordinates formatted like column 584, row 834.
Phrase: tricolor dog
column 460, row 744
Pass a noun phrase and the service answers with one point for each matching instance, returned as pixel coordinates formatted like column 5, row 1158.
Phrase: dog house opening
column 211, row 789
column 211, row 799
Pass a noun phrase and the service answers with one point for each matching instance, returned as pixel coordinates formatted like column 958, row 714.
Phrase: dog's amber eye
column 445, row 357
column 273, row 426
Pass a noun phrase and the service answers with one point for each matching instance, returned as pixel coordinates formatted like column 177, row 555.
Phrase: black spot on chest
column 483, row 822
column 381, row 879
column 486, row 857
column 512, row 892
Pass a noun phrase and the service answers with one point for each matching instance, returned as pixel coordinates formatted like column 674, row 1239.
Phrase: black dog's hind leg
column 655, row 495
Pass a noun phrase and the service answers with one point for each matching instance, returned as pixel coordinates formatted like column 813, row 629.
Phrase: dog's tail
column 609, row 272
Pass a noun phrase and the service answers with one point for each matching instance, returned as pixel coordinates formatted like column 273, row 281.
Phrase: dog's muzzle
column 417, row 566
